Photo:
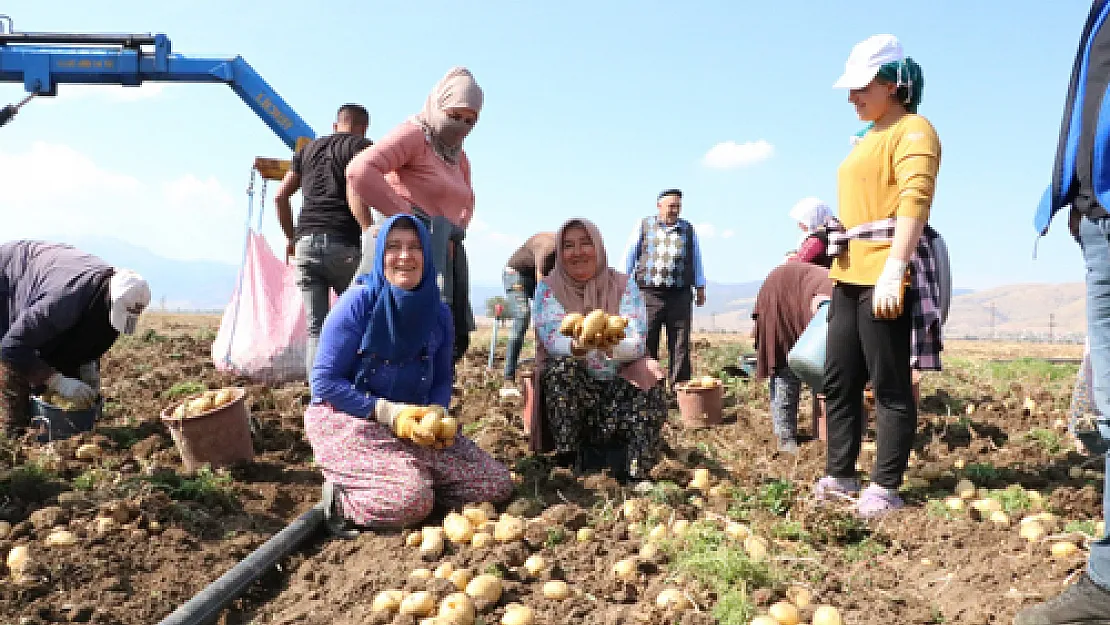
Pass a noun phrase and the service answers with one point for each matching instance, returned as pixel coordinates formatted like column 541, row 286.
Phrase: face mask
column 453, row 131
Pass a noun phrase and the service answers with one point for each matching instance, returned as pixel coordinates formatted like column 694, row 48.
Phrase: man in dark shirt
column 1081, row 179
column 529, row 264
column 326, row 244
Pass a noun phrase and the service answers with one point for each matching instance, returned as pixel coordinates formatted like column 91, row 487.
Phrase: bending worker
column 531, row 263
column 64, row 309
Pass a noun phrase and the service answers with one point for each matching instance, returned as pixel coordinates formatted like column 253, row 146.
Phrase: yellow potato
column 517, row 614
column 458, row 609
column 672, row 599
column 785, row 613
column 571, row 324
column 223, row 396
column 387, row 601
column 486, row 587
column 457, row 528
column 556, row 589
column 420, row 603
column 200, row 405
column 448, row 428
column 595, row 324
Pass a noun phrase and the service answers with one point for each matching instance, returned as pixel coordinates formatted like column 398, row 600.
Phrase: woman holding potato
column 381, row 384
column 883, row 316
column 601, row 396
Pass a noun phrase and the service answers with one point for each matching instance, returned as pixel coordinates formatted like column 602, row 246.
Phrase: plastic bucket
column 219, row 437
column 699, row 406
column 54, row 423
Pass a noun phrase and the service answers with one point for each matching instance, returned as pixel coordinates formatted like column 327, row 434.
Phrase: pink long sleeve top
column 402, row 169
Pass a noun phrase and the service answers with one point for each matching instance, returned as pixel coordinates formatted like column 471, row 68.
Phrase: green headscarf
column 905, row 73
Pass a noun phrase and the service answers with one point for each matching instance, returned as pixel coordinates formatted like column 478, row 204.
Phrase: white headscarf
column 811, row 212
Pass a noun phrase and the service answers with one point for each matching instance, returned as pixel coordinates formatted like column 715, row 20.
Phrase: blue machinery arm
column 42, row 61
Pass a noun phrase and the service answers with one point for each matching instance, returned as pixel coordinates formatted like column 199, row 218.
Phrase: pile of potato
column 705, row 381
column 475, row 527
column 597, row 330
column 205, row 402
column 1034, row 528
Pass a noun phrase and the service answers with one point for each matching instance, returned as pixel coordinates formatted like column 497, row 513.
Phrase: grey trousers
column 323, row 263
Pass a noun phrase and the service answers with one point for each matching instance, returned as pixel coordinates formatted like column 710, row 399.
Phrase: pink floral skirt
column 384, row 481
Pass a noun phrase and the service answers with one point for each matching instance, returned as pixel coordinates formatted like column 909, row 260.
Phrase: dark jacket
column 55, row 306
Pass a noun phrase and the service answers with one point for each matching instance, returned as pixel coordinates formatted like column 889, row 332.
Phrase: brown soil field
column 998, row 424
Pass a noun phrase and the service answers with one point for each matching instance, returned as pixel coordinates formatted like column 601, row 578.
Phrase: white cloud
column 480, row 231
column 732, row 155
column 706, row 230
column 727, row 234
column 53, row 190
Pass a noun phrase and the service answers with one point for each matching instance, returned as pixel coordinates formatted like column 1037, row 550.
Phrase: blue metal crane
column 42, row 61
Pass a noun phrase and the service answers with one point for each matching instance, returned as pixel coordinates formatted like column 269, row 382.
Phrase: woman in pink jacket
column 420, row 168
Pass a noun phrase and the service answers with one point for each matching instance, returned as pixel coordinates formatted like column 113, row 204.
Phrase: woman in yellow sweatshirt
column 884, row 293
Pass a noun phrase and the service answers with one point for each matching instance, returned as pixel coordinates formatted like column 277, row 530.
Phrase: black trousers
column 672, row 308
column 861, row 348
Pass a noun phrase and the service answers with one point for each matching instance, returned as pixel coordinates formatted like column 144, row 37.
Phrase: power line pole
column 1051, row 326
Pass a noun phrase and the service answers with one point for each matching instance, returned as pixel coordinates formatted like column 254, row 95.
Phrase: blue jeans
column 323, row 263
column 1094, row 238
column 519, row 289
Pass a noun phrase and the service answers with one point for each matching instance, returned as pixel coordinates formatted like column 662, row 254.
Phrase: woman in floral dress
column 605, row 407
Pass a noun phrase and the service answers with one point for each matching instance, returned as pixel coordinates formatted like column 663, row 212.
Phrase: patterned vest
column 666, row 257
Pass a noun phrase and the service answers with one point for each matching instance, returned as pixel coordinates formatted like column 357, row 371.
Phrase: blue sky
column 591, row 109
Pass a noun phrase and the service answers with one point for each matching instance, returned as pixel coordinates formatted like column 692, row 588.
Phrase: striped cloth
column 924, row 296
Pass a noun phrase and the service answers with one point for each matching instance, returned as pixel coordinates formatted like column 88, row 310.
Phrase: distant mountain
column 1059, row 310
column 176, row 284
column 1013, row 310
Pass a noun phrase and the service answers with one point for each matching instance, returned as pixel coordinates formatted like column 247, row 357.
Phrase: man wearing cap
column 62, row 309
column 664, row 257
column 1081, row 179
column 529, row 264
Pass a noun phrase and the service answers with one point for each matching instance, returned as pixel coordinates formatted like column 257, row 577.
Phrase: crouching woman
column 605, row 406
column 384, row 359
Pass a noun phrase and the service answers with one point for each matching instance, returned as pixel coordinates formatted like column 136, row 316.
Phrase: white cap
column 130, row 295
column 866, row 58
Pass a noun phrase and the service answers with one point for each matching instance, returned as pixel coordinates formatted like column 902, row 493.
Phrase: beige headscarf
column 457, row 89
column 603, row 290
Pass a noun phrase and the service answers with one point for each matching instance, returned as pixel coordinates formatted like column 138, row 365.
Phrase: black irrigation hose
column 206, row 605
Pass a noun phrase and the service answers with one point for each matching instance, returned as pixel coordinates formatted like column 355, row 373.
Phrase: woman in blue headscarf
column 385, row 350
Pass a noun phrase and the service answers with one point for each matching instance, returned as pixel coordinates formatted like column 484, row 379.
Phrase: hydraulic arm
column 42, row 61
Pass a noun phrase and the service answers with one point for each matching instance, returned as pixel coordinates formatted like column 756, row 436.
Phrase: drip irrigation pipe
column 206, row 605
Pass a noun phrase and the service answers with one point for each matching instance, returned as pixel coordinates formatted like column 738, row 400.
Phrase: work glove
column 89, row 373
column 888, row 297
column 75, row 391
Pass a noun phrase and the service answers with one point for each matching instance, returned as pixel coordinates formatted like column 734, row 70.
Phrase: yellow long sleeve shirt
column 890, row 173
